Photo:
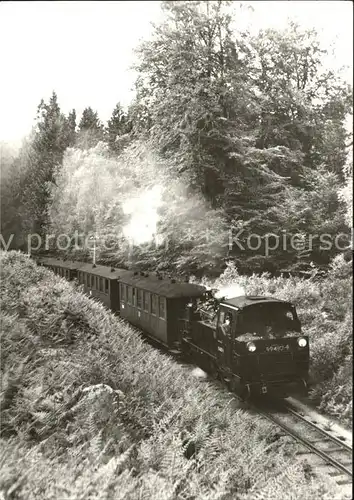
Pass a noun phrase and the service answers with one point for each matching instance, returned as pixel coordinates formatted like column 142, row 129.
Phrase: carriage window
column 139, row 298
column 101, row 284
column 153, row 303
column 122, row 291
column 92, row 281
column 134, row 297
column 106, row 285
column 146, row 301
column 162, row 308
column 129, row 296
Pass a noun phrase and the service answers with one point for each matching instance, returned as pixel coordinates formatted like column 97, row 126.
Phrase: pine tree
column 43, row 156
column 117, row 126
column 72, row 127
column 91, row 130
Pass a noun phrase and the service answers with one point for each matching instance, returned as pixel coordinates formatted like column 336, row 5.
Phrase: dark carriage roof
column 105, row 271
column 164, row 286
column 251, row 300
column 65, row 264
column 151, row 282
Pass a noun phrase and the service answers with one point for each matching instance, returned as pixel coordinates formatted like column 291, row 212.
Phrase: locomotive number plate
column 277, row 348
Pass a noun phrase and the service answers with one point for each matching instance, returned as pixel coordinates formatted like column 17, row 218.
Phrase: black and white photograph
column 176, row 250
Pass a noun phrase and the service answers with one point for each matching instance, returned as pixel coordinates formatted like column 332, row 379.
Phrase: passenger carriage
column 155, row 304
column 102, row 283
column 64, row 268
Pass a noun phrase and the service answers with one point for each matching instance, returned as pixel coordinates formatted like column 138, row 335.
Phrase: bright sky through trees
column 83, row 50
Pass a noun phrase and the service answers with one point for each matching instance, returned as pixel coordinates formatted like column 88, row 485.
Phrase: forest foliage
column 229, row 134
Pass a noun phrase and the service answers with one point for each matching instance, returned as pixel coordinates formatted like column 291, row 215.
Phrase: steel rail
column 330, row 437
column 305, row 442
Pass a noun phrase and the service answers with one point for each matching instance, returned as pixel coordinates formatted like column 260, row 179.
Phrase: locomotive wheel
column 245, row 393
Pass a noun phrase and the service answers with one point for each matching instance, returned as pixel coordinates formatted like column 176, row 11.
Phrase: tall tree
column 72, row 127
column 302, row 105
column 191, row 88
column 91, row 130
column 117, row 126
column 43, row 156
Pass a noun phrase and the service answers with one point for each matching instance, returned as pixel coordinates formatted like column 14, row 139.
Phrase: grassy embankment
column 64, row 438
column 324, row 306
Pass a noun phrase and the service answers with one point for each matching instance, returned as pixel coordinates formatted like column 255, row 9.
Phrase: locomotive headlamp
column 251, row 346
column 302, row 342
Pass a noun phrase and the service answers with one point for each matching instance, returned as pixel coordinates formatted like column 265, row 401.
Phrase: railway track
column 334, row 452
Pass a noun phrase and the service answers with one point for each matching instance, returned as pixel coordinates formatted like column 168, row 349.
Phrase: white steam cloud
column 230, row 292
column 143, row 210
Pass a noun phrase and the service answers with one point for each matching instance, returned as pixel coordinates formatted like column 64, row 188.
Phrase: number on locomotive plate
column 277, row 348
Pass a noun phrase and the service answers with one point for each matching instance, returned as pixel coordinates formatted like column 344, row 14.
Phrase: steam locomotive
column 253, row 343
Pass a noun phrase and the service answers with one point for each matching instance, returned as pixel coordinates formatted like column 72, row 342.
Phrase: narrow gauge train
column 253, row 343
